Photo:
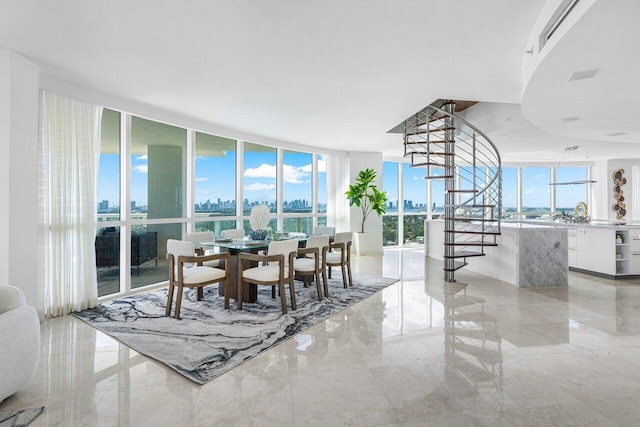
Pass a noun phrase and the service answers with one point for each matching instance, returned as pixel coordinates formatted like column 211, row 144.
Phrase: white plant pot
column 367, row 243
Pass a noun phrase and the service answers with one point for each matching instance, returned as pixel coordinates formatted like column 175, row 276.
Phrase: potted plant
column 259, row 221
column 365, row 195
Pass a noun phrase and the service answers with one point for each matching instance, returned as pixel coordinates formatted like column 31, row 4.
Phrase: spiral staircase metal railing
column 453, row 150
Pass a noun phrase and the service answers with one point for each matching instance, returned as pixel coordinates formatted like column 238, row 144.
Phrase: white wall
column 19, row 99
column 357, row 162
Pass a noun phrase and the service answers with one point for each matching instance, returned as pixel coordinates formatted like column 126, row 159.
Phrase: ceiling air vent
column 556, row 20
column 583, row 75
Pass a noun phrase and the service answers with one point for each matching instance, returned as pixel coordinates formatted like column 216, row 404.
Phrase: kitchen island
column 527, row 255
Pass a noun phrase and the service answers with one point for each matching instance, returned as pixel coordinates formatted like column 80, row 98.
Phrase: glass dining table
column 234, row 247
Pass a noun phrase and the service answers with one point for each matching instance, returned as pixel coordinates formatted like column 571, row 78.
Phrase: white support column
column 279, row 188
column 191, row 180
column 519, row 191
column 314, row 190
column 239, row 182
column 19, row 124
column 125, row 202
column 552, row 189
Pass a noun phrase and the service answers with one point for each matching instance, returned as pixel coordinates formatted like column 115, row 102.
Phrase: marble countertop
column 596, row 223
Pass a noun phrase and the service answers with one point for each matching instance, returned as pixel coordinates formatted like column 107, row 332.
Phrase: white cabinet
column 596, row 250
column 614, row 252
column 634, row 253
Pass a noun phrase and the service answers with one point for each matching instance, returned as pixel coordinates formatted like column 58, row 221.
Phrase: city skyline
column 215, row 177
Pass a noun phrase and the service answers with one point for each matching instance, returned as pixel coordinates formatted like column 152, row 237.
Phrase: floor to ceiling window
column 297, row 191
column 156, row 166
column 215, row 183
column 525, row 198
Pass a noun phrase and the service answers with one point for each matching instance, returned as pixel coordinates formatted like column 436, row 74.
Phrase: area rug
column 19, row 418
column 209, row 340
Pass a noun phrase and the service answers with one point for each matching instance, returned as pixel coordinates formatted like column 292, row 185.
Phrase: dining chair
column 340, row 255
column 186, row 270
column 313, row 262
column 274, row 270
column 236, row 233
column 321, row 229
column 199, row 237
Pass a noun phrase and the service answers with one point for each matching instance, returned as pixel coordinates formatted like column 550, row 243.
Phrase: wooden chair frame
column 179, row 281
column 243, row 256
column 345, row 261
column 319, row 269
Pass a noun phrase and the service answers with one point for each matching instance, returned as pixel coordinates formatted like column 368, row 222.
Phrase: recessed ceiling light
column 616, row 133
column 572, row 148
column 582, row 75
column 570, row 119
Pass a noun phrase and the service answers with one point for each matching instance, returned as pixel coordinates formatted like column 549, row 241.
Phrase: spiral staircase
column 453, row 150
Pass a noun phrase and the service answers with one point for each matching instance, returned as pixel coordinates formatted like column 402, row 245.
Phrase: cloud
column 141, row 168
column 290, row 174
column 142, row 157
column 294, row 174
column 262, row 171
column 322, row 165
column 258, row 186
column 529, row 191
column 202, row 179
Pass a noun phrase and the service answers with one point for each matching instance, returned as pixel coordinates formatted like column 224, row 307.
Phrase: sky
column 215, row 177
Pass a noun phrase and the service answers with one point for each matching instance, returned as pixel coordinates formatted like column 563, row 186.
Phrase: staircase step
column 469, row 219
column 430, row 153
column 470, row 206
column 457, row 265
column 420, row 132
column 486, row 233
column 438, row 176
column 460, row 191
column 440, row 165
column 424, row 141
column 464, row 254
column 470, row 243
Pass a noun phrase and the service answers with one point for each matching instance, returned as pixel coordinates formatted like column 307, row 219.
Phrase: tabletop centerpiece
column 259, row 221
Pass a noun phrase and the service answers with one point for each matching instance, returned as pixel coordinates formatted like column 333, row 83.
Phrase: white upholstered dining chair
column 236, row 233
column 200, row 237
column 340, row 255
column 186, row 270
column 322, row 229
column 274, row 272
column 314, row 262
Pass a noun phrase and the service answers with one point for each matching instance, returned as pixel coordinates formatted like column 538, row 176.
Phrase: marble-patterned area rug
column 20, row 418
column 209, row 340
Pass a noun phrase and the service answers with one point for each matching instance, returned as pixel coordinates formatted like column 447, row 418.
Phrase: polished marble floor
column 418, row 353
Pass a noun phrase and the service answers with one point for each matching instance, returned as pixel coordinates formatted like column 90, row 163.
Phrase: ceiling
column 340, row 74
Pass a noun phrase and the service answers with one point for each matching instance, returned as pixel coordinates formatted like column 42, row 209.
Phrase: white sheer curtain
column 337, row 184
column 69, row 151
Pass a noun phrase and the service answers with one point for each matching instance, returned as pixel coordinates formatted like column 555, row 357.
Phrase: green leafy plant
column 365, row 194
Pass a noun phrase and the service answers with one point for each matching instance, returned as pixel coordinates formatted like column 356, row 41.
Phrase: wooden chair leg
column 292, row 291
column 239, row 290
column 324, row 280
column 226, row 293
column 170, row 299
column 349, row 270
column 344, row 275
column 283, row 297
column 200, row 293
column 329, row 270
column 179, row 301
column 273, row 292
column 318, row 284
